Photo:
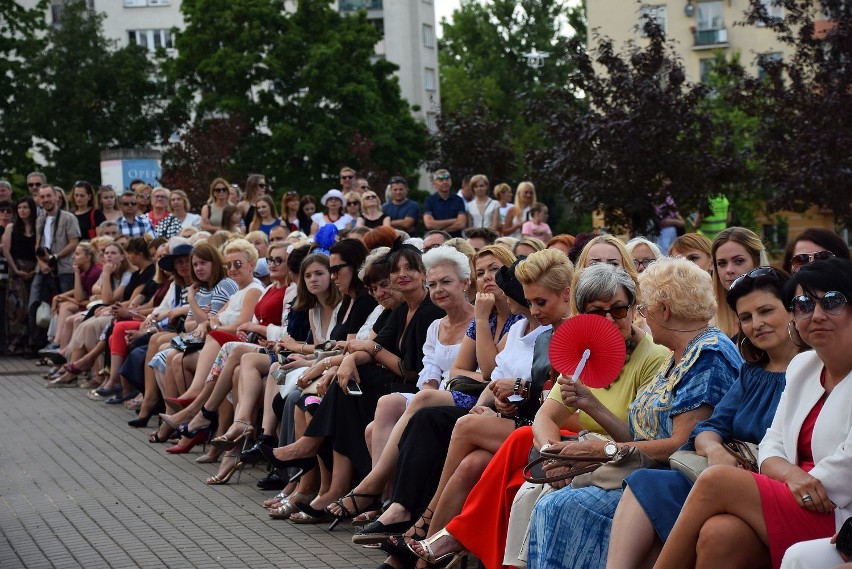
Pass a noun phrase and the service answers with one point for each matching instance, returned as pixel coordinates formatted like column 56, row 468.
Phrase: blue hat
column 167, row 263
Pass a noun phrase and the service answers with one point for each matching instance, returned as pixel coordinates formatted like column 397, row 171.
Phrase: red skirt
column 787, row 523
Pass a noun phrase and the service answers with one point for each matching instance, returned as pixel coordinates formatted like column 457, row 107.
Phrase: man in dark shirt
column 404, row 213
column 444, row 210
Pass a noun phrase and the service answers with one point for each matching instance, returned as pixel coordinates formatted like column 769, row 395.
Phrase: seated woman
column 391, row 363
column 448, row 278
column 653, row 498
column 570, row 527
column 601, row 289
column 802, row 492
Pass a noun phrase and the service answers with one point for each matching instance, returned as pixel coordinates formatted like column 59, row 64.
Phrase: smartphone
column 354, row 388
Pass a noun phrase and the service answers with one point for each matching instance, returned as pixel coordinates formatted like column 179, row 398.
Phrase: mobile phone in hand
column 354, row 388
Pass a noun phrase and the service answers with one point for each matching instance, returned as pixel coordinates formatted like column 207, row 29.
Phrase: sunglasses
column 334, row 269
column 346, row 177
column 803, row 306
column 365, row 188
column 145, row 196
column 34, row 184
column 617, row 312
column 353, row 203
column 159, row 197
column 291, row 193
column 274, row 261
column 807, row 258
column 236, row 265
column 220, row 190
column 643, row 262
column 443, row 177
column 128, row 203
column 264, row 186
column 5, row 210
column 370, row 198
column 753, row 274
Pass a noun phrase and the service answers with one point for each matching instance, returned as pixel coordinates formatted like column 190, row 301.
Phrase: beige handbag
column 689, row 463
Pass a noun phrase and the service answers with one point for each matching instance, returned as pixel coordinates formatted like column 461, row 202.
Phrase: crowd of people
column 403, row 383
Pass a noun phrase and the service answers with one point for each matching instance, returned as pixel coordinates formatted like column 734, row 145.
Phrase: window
column 56, row 13
column 144, row 3
column 428, row 36
column 711, row 15
column 773, row 11
column 656, row 13
column 151, row 40
column 768, row 58
column 432, row 122
column 429, row 82
column 705, row 68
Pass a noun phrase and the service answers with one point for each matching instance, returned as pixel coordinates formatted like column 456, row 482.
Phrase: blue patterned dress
column 571, row 527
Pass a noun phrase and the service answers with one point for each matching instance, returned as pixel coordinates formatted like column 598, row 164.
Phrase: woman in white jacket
column 804, row 490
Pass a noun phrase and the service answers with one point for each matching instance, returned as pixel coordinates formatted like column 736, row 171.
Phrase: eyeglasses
column 442, row 177
column 641, row 308
column 353, row 203
column 143, row 196
column 346, row 177
column 34, row 184
column 81, row 183
column 236, row 265
column 365, row 188
column 643, row 262
column 753, row 274
column 264, row 186
column 291, row 193
column 5, row 209
column 617, row 312
column 334, row 269
column 803, row 306
column 807, row 258
column 370, row 197
column 220, row 190
column 128, row 203
column 160, row 197
column 275, row 261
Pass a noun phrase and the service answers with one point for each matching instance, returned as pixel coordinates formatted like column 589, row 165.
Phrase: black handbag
column 187, row 343
column 468, row 385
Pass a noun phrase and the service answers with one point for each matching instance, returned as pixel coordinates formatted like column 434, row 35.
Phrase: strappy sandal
column 216, row 480
column 224, row 443
column 345, row 514
column 283, row 511
column 396, row 545
column 429, row 556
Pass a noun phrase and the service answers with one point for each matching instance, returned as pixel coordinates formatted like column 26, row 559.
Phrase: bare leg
column 452, row 495
column 719, row 490
column 633, row 532
column 270, row 390
column 253, row 367
column 152, row 389
column 727, row 542
column 388, row 412
column 206, row 357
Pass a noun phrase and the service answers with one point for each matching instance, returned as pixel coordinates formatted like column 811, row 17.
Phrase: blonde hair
column 636, row 241
column 503, row 255
column 548, row 268
column 681, row 285
column 242, row 246
column 256, row 221
column 183, row 196
column 500, row 188
column 726, row 319
column 519, row 192
column 694, row 241
column 507, row 242
column 461, row 246
column 626, row 261
column 536, row 244
column 479, row 178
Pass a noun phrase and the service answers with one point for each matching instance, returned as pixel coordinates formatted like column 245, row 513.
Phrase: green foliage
column 305, row 83
column 92, row 97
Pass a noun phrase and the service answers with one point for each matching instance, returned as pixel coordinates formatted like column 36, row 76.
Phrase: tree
column 484, row 71
column 91, row 96
column 805, row 105
column 20, row 29
column 643, row 136
column 305, row 83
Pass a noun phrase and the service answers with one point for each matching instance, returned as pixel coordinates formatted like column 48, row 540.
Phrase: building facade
column 699, row 28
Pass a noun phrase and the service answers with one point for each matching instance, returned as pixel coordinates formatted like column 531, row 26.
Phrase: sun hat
column 336, row 194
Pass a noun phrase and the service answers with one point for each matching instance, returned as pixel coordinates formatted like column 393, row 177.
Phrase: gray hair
column 636, row 241
column 107, row 223
column 601, row 281
column 5, row 184
column 444, row 255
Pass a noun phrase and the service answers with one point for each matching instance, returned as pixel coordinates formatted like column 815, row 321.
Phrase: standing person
column 503, row 194
column 6, row 208
column 179, row 206
column 164, row 223
column 307, row 210
column 143, row 198
column 482, row 211
column 256, row 187
column 290, row 211
column 131, row 223
column 403, row 212
column 211, row 212
column 353, row 208
column 19, row 251
column 35, row 180
column 107, row 203
column 361, row 185
column 265, row 216
column 696, row 248
column 537, row 226
column 347, row 177
column 5, row 191
column 86, row 209
column 443, row 210
column 669, row 222
column 332, row 201
column 525, row 198
column 465, row 192
column 372, row 215
column 57, row 235
column 717, row 220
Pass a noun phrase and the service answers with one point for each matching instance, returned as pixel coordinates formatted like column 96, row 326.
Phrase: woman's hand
column 575, row 394
column 483, row 305
column 250, row 327
column 108, row 269
column 555, row 469
column 324, row 383
column 505, row 408
column 201, row 330
column 502, row 388
column 483, row 410
column 716, row 454
column 803, row 485
column 360, row 346
column 577, row 448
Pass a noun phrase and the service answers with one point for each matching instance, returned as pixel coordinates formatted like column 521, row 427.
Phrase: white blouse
column 231, row 312
column 437, row 358
column 483, row 219
column 343, row 222
column 516, row 358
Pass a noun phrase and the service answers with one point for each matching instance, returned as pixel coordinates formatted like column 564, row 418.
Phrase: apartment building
column 699, row 28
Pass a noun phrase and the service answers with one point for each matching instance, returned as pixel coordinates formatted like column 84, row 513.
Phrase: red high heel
column 180, row 402
column 199, row 437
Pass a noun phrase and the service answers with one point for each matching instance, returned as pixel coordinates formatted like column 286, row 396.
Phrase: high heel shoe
column 195, row 437
column 304, row 465
column 180, row 402
column 142, row 421
column 216, row 480
column 253, row 454
column 429, row 556
column 224, row 443
column 345, row 514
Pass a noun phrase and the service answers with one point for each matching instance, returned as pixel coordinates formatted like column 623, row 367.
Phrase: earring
column 749, row 358
column 800, row 343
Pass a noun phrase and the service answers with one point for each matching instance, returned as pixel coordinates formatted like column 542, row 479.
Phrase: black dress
column 361, row 310
column 373, row 223
column 341, row 418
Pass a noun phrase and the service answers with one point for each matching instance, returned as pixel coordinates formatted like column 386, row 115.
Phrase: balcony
column 710, row 39
column 355, row 5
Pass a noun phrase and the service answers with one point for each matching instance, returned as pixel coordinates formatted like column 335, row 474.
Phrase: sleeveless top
column 215, row 215
column 23, row 247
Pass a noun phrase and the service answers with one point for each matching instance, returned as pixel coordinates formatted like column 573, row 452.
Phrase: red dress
column 787, row 523
column 267, row 311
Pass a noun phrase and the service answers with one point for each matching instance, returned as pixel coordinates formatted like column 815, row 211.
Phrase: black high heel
column 143, row 421
column 253, row 454
column 304, row 465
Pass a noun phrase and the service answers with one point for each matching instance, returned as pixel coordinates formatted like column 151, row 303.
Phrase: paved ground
column 79, row 488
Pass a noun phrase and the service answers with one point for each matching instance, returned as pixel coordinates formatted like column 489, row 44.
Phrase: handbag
column 464, row 384
column 187, row 343
column 610, row 475
column 43, row 315
column 689, row 463
column 745, row 454
column 534, row 470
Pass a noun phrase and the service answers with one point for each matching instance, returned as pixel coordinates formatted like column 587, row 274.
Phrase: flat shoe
column 284, row 511
column 377, row 532
column 60, row 384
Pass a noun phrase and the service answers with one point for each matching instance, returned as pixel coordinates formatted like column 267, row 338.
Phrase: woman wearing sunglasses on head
column 813, row 244
column 653, row 498
column 372, row 215
column 803, row 491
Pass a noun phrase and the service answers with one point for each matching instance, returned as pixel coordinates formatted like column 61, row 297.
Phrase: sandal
column 283, row 511
column 366, row 518
column 429, row 556
column 216, row 480
column 71, row 367
column 345, row 514
column 209, row 457
column 396, row 545
column 103, row 372
column 224, row 443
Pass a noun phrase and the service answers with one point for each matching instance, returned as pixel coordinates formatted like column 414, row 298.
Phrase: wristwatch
column 610, row 449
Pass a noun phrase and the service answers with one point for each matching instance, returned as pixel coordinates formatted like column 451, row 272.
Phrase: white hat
column 337, row 194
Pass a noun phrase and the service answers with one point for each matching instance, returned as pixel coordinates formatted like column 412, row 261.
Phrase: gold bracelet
column 302, row 348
